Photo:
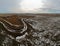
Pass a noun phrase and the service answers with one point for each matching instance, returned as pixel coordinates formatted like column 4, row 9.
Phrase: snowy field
column 45, row 31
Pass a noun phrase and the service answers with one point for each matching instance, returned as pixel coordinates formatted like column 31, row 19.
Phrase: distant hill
column 29, row 14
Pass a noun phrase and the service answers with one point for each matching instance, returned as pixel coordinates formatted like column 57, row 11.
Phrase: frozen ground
column 45, row 32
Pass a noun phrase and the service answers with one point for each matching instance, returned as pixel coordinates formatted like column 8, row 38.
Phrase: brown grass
column 13, row 18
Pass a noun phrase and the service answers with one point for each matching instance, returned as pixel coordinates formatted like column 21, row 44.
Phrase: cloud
column 54, row 4
column 29, row 6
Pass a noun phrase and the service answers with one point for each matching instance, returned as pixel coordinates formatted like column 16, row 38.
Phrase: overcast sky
column 29, row 6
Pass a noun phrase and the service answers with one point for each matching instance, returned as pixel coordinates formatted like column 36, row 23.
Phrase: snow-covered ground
column 46, row 33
